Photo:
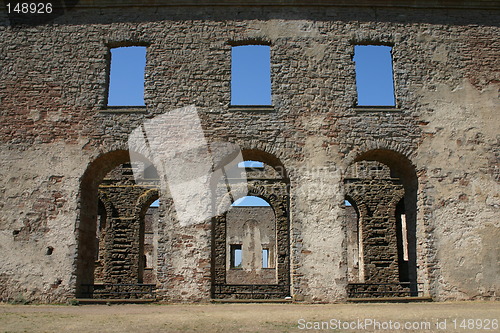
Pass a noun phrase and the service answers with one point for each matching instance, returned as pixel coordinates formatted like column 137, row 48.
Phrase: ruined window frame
column 232, row 256
column 268, row 258
column 123, row 108
column 251, row 107
column 376, row 107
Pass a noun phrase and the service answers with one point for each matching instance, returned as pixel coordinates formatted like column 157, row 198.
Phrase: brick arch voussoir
column 359, row 202
column 275, row 156
column 106, row 201
column 141, row 205
column 380, row 144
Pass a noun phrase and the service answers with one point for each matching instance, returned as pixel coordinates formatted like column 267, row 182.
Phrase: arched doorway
column 114, row 195
column 354, row 246
column 251, row 251
column 382, row 186
column 148, row 215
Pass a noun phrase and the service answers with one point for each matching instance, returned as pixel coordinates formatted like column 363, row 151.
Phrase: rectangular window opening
column 126, row 78
column 265, row 258
column 374, row 75
column 236, row 256
column 251, row 75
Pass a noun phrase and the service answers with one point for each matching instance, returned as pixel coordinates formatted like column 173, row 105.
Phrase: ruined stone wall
column 376, row 195
column 123, row 245
column 52, row 101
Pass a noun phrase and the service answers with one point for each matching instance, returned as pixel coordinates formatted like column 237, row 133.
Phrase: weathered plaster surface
column 459, row 157
column 37, row 185
column 445, row 128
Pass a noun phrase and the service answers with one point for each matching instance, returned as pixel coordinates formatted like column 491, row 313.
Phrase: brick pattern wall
column 122, row 249
column 376, row 194
column 53, row 87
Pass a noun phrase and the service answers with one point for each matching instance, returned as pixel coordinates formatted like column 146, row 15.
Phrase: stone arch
column 265, row 152
column 267, row 158
column 249, row 154
column 357, row 202
column 145, row 200
column 403, row 168
column 398, row 162
column 377, row 197
column 388, row 150
column 258, row 151
column 142, row 206
column 87, row 215
column 275, row 192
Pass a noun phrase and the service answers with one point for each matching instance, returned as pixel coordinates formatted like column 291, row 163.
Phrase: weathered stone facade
column 440, row 144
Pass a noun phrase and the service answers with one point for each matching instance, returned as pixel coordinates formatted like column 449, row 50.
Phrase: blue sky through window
column 251, row 164
column 374, row 78
column 126, row 81
column 265, row 258
column 250, row 201
column 238, row 258
column 251, row 75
